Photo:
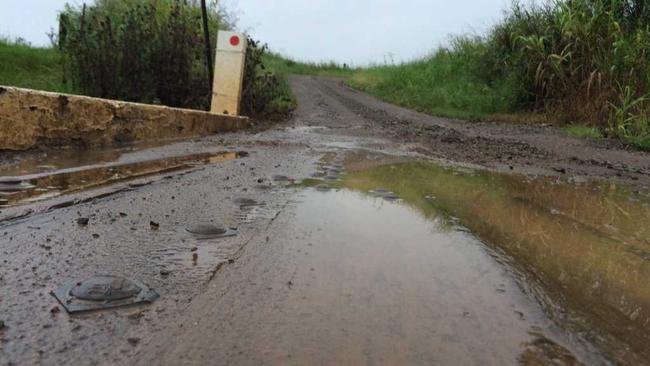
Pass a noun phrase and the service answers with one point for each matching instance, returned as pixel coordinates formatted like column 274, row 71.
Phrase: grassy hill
column 29, row 67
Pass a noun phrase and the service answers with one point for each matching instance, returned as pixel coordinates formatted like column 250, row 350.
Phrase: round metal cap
column 105, row 288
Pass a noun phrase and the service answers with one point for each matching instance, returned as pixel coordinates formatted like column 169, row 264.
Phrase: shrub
column 580, row 60
column 264, row 93
column 154, row 52
column 137, row 50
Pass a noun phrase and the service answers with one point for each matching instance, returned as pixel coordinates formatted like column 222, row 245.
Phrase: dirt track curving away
column 503, row 146
column 357, row 232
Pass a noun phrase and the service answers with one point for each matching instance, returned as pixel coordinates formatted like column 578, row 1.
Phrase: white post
column 228, row 73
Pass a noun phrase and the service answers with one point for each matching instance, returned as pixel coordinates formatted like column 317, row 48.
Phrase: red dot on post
column 234, row 40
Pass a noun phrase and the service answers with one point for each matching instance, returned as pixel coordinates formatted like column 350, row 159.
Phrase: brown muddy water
column 53, row 180
column 49, row 160
column 383, row 283
column 429, row 265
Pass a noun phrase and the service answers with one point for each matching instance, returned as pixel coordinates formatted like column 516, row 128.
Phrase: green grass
column 282, row 65
column 30, row 67
column 285, row 101
column 641, row 143
column 580, row 130
column 439, row 85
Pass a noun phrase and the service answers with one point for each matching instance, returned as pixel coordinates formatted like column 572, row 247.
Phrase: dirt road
column 357, row 233
column 503, row 146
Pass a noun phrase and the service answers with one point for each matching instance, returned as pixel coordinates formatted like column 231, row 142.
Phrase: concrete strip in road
column 30, row 118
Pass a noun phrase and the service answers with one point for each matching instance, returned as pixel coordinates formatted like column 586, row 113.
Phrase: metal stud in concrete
column 210, row 231
column 103, row 292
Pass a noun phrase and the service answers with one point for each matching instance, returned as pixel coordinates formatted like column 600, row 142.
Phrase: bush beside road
column 142, row 52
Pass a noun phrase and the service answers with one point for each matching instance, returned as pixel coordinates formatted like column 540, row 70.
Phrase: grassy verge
column 640, row 142
column 284, row 101
column 583, row 131
column 285, row 66
column 441, row 85
column 28, row 67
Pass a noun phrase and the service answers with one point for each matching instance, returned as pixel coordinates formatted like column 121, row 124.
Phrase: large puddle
column 379, row 282
column 583, row 249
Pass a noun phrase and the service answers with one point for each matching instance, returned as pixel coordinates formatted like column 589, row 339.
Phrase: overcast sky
column 353, row 31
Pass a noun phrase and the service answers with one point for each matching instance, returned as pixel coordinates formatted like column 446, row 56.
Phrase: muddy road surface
column 355, row 233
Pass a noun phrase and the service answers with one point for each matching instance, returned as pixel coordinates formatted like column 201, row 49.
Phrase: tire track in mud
column 416, row 131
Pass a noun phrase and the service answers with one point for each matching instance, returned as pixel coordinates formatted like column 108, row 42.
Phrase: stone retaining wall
column 30, row 118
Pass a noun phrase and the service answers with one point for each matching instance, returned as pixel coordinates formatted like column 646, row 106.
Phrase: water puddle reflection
column 51, row 160
column 379, row 282
column 587, row 246
column 16, row 190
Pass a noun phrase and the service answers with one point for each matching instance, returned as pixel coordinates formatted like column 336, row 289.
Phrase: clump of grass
column 266, row 92
column 580, row 60
column 641, row 143
column 579, row 130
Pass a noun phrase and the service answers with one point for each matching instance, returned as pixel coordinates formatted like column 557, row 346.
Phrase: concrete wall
column 30, row 119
